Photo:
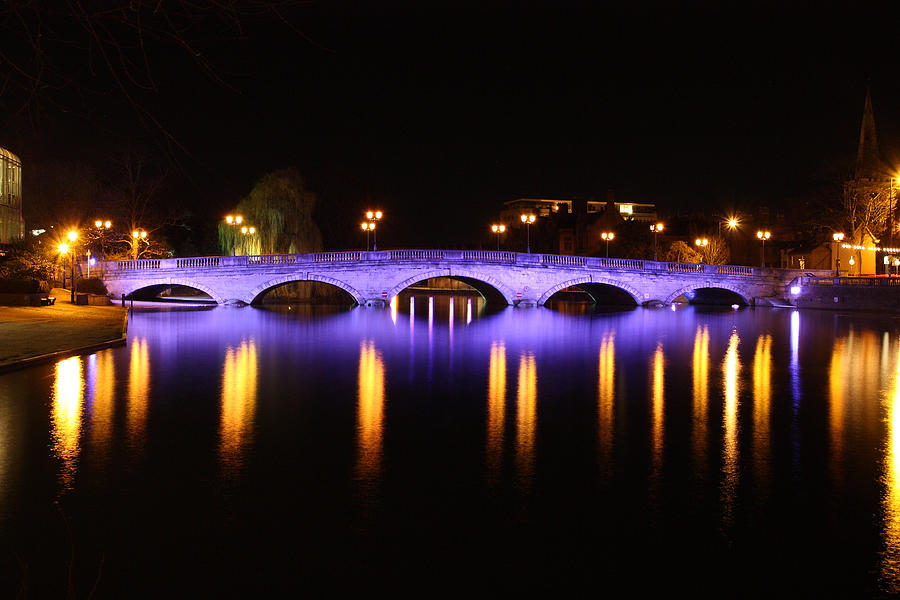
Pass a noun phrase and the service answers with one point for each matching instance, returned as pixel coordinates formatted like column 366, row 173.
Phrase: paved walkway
column 33, row 334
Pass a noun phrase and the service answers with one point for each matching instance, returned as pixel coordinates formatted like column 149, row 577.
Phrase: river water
column 270, row 451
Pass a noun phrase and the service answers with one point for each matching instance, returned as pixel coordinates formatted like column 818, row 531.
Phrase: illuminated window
column 626, row 209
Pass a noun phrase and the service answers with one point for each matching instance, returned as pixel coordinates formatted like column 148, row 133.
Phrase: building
column 12, row 226
column 574, row 226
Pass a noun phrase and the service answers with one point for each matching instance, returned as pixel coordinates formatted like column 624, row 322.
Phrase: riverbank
column 35, row 334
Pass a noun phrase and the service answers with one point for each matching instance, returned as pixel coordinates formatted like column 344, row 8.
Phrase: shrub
column 20, row 286
column 92, row 285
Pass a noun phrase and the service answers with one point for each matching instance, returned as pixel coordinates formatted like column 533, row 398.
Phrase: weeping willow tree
column 280, row 209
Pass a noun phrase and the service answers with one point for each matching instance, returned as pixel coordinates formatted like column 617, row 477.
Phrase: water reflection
column 762, row 398
column 239, row 385
column 606, row 397
column 496, row 413
column 68, row 394
column 138, row 392
column 370, row 413
column 526, row 419
column 700, row 373
column 890, row 560
column 837, row 374
column 731, row 367
column 101, row 386
column 657, row 415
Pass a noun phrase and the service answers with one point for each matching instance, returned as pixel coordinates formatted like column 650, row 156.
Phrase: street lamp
column 897, row 265
column 102, row 226
column 528, row 220
column 234, row 222
column 367, row 227
column 498, row 229
column 655, row 229
column 763, row 236
column 838, row 238
column 138, row 235
column 63, row 249
column 244, row 231
column 607, row 237
column 701, row 243
column 372, row 216
column 852, row 262
column 73, row 235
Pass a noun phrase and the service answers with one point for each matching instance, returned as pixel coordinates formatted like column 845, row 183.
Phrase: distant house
column 12, row 226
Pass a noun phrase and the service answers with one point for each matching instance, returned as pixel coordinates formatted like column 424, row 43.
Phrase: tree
column 281, row 209
column 678, row 251
column 715, row 252
column 867, row 209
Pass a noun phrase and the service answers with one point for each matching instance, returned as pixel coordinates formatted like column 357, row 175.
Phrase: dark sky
column 439, row 112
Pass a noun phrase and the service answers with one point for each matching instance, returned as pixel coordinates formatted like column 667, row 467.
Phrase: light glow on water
column 731, row 368
column 138, row 391
column 890, row 559
column 762, row 399
column 606, row 396
column 496, row 409
column 239, row 385
column 700, row 375
column 370, row 412
column 68, row 396
column 526, row 418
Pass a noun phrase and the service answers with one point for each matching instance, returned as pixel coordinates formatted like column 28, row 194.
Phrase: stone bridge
column 375, row 278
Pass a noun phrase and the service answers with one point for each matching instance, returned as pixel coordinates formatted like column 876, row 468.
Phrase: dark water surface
column 272, row 452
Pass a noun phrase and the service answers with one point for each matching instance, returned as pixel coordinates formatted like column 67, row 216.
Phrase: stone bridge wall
column 374, row 278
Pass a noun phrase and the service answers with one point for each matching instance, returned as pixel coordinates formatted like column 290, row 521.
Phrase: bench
column 48, row 301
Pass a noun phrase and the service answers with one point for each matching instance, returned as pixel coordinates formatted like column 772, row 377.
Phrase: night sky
column 438, row 115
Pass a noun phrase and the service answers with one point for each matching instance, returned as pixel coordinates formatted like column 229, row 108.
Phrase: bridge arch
column 490, row 288
column 689, row 291
column 263, row 287
column 636, row 295
column 143, row 284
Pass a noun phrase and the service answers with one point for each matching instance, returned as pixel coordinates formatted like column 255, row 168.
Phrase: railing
column 272, row 259
column 684, row 268
column 851, row 281
column 730, row 270
column 559, row 259
column 137, row 265
column 335, row 256
column 196, row 263
column 482, row 256
column 417, row 255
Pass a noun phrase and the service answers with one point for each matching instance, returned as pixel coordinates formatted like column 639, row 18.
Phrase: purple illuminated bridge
column 374, row 278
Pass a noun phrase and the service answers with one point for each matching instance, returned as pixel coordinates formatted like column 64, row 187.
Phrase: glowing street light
column 138, row 235
column 72, row 235
column 246, row 230
column 655, row 229
column 838, row 238
column 701, row 243
column 102, row 227
column 367, row 227
column 763, row 236
column 498, row 229
column 852, row 262
column 528, row 220
column 373, row 216
column 607, row 237
column 234, row 221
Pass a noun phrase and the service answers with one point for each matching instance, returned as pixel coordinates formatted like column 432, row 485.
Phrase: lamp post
column 897, row 265
column 244, row 231
column 73, row 235
column 63, row 249
column 763, row 236
column 234, row 221
column 498, row 229
column 655, row 229
column 102, row 227
column 701, row 243
column 607, row 237
column 838, row 238
column 852, row 262
column 367, row 227
column 528, row 220
column 138, row 235
column 372, row 216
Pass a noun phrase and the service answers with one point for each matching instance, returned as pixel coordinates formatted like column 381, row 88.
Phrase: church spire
column 868, row 163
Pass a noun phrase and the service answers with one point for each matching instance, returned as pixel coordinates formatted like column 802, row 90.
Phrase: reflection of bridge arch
column 298, row 277
column 636, row 295
column 173, row 282
column 490, row 288
column 685, row 291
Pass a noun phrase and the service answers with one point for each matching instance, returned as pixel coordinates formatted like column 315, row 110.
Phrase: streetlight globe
column 732, row 222
column 63, row 248
column 229, row 219
column 502, row 228
column 364, row 226
column 135, row 234
column 243, row 230
column 107, row 224
column 370, row 214
column 252, row 230
column 378, row 214
column 98, row 224
column 143, row 235
column 238, row 219
column 73, row 235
